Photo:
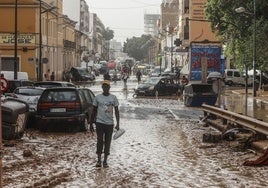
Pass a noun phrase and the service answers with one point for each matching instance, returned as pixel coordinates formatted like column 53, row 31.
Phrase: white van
column 9, row 75
column 235, row 77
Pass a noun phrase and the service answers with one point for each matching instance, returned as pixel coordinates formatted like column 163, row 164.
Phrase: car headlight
column 20, row 122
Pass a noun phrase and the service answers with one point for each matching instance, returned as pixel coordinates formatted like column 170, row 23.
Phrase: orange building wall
column 199, row 30
column 26, row 24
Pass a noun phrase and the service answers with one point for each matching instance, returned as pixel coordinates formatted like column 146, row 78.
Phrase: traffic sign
column 4, row 85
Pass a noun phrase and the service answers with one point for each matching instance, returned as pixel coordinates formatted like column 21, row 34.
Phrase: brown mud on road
column 157, row 150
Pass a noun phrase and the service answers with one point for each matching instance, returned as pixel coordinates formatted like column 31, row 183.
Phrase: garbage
column 197, row 94
column 261, row 161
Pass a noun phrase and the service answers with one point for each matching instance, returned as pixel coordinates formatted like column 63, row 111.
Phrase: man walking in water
column 103, row 106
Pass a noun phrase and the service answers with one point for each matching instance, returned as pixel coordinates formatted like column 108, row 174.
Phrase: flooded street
column 162, row 147
column 242, row 104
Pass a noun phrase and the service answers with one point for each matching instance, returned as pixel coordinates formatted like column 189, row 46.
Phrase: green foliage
column 108, row 34
column 236, row 30
column 138, row 47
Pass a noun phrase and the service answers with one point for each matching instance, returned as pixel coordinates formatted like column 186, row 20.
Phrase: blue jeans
column 104, row 138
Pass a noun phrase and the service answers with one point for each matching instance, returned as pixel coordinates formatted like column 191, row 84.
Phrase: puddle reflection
column 245, row 105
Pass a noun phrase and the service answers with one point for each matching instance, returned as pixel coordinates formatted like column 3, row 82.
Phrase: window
column 236, row 74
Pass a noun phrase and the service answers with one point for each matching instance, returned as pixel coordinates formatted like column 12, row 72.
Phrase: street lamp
column 243, row 10
column 16, row 41
column 40, row 76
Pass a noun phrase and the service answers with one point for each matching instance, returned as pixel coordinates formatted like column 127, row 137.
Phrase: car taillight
column 68, row 105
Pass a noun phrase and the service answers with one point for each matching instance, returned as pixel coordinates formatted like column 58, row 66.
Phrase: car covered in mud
column 156, row 86
column 14, row 117
column 63, row 106
column 49, row 84
column 30, row 95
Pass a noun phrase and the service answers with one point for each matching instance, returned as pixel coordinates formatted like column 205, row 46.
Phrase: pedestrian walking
column 103, row 107
column 138, row 75
column 106, row 76
column 52, row 76
column 184, row 80
column 124, row 78
column 47, row 75
column 115, row 76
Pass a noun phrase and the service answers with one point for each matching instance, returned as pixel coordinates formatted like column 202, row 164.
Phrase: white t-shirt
column 105, row 106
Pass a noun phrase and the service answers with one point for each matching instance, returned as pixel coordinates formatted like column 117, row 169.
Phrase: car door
column 89, row 96
column 161, row 88
column 170, row 87
column 238, row 79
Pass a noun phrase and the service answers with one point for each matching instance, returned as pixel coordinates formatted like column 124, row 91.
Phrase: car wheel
column 84, row 126
column 230, row 83
column 156, row 93
column 178, row 93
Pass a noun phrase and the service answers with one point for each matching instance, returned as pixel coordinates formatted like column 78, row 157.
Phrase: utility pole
column 170, row 31
column 40, row 74
column 16, row 41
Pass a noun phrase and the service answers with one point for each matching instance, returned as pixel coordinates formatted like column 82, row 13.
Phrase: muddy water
column 243, row 104
column 157, row 150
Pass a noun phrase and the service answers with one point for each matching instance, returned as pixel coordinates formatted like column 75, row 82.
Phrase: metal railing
column 245, row 121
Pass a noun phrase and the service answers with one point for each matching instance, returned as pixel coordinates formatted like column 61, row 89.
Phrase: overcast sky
column 124, row 17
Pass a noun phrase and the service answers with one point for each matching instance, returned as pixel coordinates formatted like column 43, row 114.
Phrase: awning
column 185, row 70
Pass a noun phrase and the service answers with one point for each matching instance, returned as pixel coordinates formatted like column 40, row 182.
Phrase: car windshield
column 83, row 71
column 153, row 80
column 29, row 91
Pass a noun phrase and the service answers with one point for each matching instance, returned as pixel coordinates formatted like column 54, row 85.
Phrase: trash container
column 14, row 117
column 197, row 94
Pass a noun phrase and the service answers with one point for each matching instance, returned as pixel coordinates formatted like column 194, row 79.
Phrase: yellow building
column 55, row 44
column 27, row 37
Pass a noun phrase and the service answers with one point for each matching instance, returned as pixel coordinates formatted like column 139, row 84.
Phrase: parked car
column 155, row 86
column 235, row 77
column 81, row 74
column 168, row 72
column 49, row 84
column 30, row 95
column 62, row 106
column 14, row 118
column 13, row 84
column 103, row 67
column 155, row 72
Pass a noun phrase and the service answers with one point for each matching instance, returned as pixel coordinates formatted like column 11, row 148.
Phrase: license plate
column 58, row 110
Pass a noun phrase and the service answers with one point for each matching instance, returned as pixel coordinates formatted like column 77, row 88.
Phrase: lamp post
column 243, row 10
column 16, row 41
column 40, row 76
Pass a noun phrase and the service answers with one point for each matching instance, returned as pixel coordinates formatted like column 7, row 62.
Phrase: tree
column 108, row 34
column 236, row 30
column 138, row 47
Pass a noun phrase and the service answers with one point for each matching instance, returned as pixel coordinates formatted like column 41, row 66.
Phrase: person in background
column 115, row 76
column 138, row 75
column 184, row 80
column 52, row 76
column 106, row 76
column 124, row 78
column 47, row 75
column 104, row 105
